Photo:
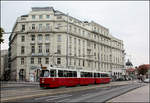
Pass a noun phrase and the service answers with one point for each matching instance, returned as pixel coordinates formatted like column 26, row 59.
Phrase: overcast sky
column 126, row 20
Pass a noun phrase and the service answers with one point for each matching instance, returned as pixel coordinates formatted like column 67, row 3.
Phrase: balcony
column 39, row 54
column 40, row 30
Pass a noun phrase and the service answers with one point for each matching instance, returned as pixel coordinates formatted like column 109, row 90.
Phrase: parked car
column 147, row 80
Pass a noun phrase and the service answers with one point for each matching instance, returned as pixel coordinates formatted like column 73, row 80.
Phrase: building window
column 40, row 26
column 22, row 49
column 94, row 46
column 47, row 48
column 39, row 60
column 47, row 37
column 32, row 37
column 40, row 48
column 47, row 26
column 40, row 16
column 79, row 62
column 46, row 60
column 79, row 31
column 33, row 26
column 58, row 49
column 22, row 61
column 33, row 16
column 22, row 38
column 23, row 28
column 74, row 61
column 70, row 28
column 59, row 38
column 47, row 16
column 58, row 60
column 59, row 17
column 70, row 61
column 83, row 63
column 32, row 60
column 83, row 32
column 32, row 49
column 39, row 37
column 75, row 29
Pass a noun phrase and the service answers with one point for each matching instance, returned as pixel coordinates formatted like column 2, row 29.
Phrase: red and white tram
column 57, row 77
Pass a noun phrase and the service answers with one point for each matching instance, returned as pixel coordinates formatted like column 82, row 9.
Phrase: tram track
column 47, row 92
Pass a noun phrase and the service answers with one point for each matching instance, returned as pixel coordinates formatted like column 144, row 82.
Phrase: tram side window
column 44, row 73
column 82, row 74
column 65, row 73
column 102, row 75
column 69, row 74
column 96, row 74
column 60, row 73
column 53, row 73
column 99, row 75
column 74, row 74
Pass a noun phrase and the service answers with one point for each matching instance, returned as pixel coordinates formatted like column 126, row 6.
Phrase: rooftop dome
column 128, row 63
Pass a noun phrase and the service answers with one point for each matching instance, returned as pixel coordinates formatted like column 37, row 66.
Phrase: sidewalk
column 9, row 84
column 138, row 95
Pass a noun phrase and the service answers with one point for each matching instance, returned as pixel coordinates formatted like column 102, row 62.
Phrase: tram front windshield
column 44, row 73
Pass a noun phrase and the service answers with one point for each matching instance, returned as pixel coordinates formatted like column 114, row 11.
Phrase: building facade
column 51, row 38
column 4, row 63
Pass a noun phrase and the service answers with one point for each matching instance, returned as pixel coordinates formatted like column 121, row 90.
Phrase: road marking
column 61, row 96
column 44, row 97
column 85, row 94
column 64, row 100
column 57, row 92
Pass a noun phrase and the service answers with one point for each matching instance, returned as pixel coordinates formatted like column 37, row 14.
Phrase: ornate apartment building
column 52, row 38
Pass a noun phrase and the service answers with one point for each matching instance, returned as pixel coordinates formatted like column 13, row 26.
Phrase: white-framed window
column 47, row 16
column 47, row 26
column 22, row 38
column 32, row 60
column 23, row 28
column 22, row 49
column 39, row 60
column 40, row 16
column 47, row 48
column 59, row 38
column 32, row 48
column 59, row 49
column 46, row 60
column 33, row 16
column 40, row 48
column 22, row 61
column 40, row 26
column 58, row 60
column 40, row 37
column 33, row 26
column 47, row 37
column 32, row 37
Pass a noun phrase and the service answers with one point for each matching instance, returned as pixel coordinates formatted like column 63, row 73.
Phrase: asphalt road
column 90, row 95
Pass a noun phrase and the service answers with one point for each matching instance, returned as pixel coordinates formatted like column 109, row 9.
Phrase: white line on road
column 44, row 97
column 61, row 96
column 64, row 100
column 85, row 94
